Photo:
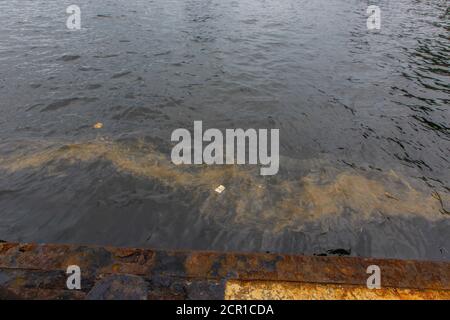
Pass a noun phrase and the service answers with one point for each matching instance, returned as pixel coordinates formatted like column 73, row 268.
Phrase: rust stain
column 271, row 290
column 200, row 265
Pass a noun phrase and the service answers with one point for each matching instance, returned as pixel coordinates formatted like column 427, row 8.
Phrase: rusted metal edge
column 172, row 274
column 279, row 290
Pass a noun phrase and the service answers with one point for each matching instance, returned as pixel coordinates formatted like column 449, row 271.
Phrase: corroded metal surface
column 38, row 271
column 280, row 290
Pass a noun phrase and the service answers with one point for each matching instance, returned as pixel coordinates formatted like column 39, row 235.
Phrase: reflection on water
column 363, row 119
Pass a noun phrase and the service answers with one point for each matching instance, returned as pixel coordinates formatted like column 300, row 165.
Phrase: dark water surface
column 364, row 123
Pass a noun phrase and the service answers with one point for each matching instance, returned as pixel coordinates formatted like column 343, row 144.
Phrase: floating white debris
column 98, row 125
column 219, row 189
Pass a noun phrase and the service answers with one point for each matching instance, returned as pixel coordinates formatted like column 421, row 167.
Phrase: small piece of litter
column 98, row 125
column 219, row 189
column 390, row 196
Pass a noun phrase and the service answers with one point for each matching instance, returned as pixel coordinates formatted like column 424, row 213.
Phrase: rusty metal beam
column 38, row 271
